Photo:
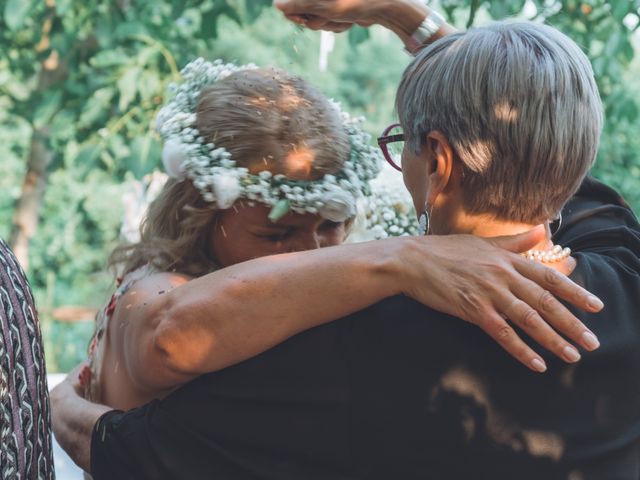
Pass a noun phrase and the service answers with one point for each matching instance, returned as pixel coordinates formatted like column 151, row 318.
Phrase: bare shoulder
column 145, row 293
column 137, row 315
column 159, row 282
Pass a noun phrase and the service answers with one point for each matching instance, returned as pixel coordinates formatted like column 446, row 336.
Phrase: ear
column 441, row 166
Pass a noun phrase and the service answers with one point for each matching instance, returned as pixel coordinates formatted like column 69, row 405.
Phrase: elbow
column 165, row 346
column 168, row 343
column 180, row 344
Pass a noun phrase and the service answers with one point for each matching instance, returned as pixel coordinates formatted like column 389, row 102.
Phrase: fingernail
column 538, row 365
column 590, row 341
column 595, row 303
column 570, row 354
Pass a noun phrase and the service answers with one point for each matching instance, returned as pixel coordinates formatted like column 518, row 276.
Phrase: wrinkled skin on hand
column 495, row 287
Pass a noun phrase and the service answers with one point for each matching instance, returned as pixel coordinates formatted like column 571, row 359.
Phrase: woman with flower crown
column 262, row 164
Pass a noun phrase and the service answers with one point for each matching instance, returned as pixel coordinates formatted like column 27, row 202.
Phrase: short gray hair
column 520, row 107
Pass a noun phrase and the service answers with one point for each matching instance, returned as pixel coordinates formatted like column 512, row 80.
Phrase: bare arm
column 73, row 418
column 402, row 17
column 233, row 314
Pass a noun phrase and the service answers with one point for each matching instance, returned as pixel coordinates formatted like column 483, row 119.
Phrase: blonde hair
column 263, row 118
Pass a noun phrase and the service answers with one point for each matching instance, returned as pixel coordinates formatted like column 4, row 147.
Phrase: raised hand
column 329, row 12
column 402, row 17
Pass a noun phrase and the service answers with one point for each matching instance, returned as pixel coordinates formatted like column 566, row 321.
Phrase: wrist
column 406, row 18
column 391, row 262
column 61, row 392
column 403, row 17
column 418, row 258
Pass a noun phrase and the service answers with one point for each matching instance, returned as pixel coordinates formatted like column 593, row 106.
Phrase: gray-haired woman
column 500, row 125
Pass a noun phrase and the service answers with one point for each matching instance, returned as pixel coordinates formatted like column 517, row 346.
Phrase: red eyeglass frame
column 386, row 139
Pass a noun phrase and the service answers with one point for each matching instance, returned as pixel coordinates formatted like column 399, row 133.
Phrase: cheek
column 222, row 247
column 261, row 247
column 333, row 237
column 232, row 243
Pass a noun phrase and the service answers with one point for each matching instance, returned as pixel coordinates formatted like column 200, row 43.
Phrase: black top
column 399, row 391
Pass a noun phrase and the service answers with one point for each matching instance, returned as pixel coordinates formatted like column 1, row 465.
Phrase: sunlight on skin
column 184, row 360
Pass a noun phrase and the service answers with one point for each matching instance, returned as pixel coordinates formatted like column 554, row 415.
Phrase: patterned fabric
column 25, row 431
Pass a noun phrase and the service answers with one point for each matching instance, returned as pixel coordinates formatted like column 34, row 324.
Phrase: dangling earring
column 557, row 229
column 424, row 222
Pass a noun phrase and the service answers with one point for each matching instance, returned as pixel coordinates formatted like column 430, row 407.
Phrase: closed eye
column 329, row 225
column 276, row 236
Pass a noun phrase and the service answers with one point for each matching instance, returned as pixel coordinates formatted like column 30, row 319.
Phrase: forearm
column 235, row 313
column 403, row 17
column 73, row 419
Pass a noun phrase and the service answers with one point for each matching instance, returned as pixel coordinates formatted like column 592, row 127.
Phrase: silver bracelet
column 427, row 29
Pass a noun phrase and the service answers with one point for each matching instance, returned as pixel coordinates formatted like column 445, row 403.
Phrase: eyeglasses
column 392, row 143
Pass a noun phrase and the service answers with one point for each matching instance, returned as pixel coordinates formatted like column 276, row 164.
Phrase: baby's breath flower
column 220, row 181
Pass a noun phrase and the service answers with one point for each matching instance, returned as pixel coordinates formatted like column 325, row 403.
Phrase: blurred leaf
column 109, row 58
column 473, row 10
column 96, row 106
column 15, row 13
column 231, row 12
column 502, row 9
column 254, row 8
column 611, row 47
column 150, row 85
column 128, row 87
column 47, row 108
column 620, row 9
column 209, row 24
column 627, row 51
column 358, row 35
column 631, row 111
column 118, row 146
column 145, row 155
column 130, row 29
column 87, row 157
column 63, row 126
column 63, row 6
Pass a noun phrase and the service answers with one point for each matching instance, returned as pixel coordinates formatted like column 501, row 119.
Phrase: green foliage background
column 88, row 77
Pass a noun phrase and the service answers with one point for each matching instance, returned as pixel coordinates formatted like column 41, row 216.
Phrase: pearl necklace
column 556, row 254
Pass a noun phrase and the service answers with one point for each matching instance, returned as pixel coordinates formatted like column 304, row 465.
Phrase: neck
column 483, row 226
column 487, row 227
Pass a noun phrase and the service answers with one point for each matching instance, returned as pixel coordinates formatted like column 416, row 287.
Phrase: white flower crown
column 186, row 154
